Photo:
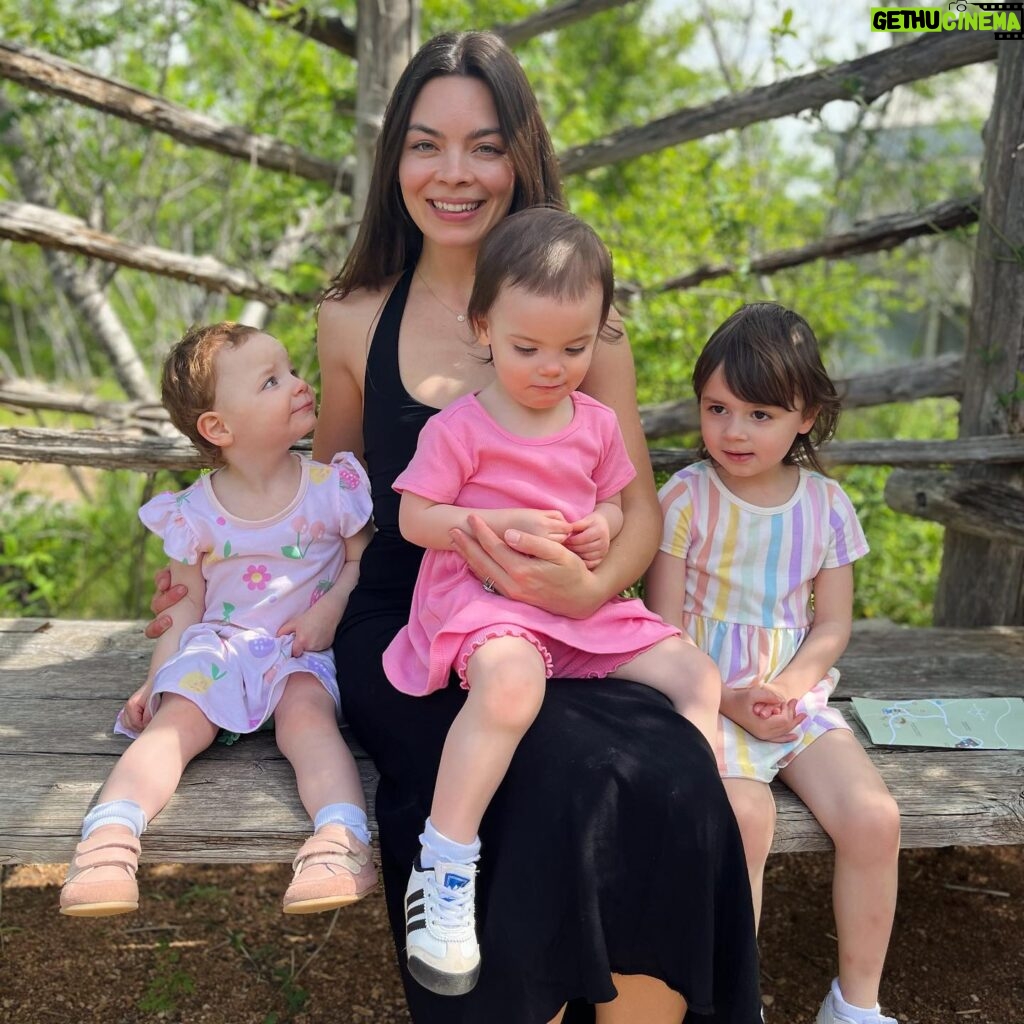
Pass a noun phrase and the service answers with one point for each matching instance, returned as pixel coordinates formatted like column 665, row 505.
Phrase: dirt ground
column 210, row 945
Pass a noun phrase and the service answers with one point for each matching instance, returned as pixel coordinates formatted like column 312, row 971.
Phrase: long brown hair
column 769, row 356
column 388, row 241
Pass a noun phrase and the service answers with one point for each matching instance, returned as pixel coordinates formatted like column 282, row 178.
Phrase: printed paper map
column 989, row 723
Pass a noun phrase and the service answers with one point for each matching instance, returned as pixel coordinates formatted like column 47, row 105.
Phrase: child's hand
column 549, row 524
column 763, row 712
column 136, row 712
column 314, row 629
column 590, row 539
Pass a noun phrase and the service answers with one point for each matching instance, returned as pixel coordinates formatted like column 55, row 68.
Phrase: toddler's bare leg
column 506, row 679
column 841, row 787
column 149, row 771
column 754, row 806
column 307, row 734
column 686, row 675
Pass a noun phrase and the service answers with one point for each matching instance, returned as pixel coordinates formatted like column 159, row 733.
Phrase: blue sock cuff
column 115, row 812
column 351, row 816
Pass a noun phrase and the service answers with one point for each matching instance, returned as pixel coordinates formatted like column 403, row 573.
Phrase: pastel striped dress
column 749, row 580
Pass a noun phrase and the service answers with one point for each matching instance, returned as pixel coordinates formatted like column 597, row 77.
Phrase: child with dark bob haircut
column 756, row 565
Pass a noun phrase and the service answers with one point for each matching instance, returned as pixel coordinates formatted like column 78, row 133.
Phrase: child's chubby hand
column 136, row 711
column 313, row 630
column 763, row 712
column 547, row 523
column 590, row 539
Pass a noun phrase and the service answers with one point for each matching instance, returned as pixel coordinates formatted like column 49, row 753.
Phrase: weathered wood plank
column 28, row 222
column 47, row 73
column 994, row 449
column 886, row 232
column 992, row 509
column 61, row 683
column 927, row 378
column 112, row 449
column 862, row 80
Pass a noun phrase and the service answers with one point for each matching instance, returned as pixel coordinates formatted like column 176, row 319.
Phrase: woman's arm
column 550, row 576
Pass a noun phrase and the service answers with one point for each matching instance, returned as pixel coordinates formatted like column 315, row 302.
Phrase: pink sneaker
column 332, row 869
column 84, row 895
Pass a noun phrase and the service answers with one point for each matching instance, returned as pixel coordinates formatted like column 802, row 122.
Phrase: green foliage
column 897, row 579
column 82, row 560
column 167, row 984
column 721, row 200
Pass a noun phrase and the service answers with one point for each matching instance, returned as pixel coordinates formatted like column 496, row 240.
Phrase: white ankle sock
column 435, row 846
column 351, row 816
column 858, row 1014
column 115, row 812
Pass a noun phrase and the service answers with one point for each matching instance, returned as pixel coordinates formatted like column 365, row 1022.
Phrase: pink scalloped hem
column 476, row 640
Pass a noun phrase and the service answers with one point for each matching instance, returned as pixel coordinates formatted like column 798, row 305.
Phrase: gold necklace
column 461, row 317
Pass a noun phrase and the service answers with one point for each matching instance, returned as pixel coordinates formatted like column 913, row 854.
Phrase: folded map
column 987, row 723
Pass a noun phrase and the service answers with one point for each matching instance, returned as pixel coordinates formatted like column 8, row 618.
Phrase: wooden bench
column 61, row 683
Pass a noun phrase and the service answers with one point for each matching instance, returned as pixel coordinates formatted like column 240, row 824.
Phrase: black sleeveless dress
column 610, row 845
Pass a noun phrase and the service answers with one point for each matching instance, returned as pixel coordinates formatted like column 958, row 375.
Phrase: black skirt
column 609, row 847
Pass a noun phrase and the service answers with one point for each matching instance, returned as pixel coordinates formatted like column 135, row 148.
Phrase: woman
column 615, row 874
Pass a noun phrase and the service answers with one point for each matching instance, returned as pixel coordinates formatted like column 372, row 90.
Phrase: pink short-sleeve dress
column 465, row 458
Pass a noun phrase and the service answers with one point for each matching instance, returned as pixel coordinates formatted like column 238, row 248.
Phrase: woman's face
column 456, row 177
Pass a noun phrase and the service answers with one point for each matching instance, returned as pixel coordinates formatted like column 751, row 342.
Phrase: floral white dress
column 259, row 575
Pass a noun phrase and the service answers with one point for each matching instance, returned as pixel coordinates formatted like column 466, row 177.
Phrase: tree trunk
column 982, row 581
column 386, row 37
column 82, row 289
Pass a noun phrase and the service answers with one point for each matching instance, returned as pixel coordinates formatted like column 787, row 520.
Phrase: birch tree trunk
column 387, row 35
column 82, row 288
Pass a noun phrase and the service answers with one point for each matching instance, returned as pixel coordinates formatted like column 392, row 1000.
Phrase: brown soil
column 210, row 945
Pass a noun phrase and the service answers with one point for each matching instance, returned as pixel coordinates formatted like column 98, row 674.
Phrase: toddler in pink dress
column 526, row 453
column 268, row 546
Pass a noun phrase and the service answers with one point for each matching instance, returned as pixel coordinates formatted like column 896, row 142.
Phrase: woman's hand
column 165, row 597
column 531, row 569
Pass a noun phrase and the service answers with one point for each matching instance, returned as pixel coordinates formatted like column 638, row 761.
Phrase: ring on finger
column 488, row 585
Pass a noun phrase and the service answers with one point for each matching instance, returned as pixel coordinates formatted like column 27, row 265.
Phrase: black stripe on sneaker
column 415, row 916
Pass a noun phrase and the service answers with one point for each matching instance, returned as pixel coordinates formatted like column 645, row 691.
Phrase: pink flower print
column 256, row 577
column 349, row 481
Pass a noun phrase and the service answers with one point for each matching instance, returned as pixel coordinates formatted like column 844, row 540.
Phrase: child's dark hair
column 189, row 381
column 546, row 252
column 769, row 355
